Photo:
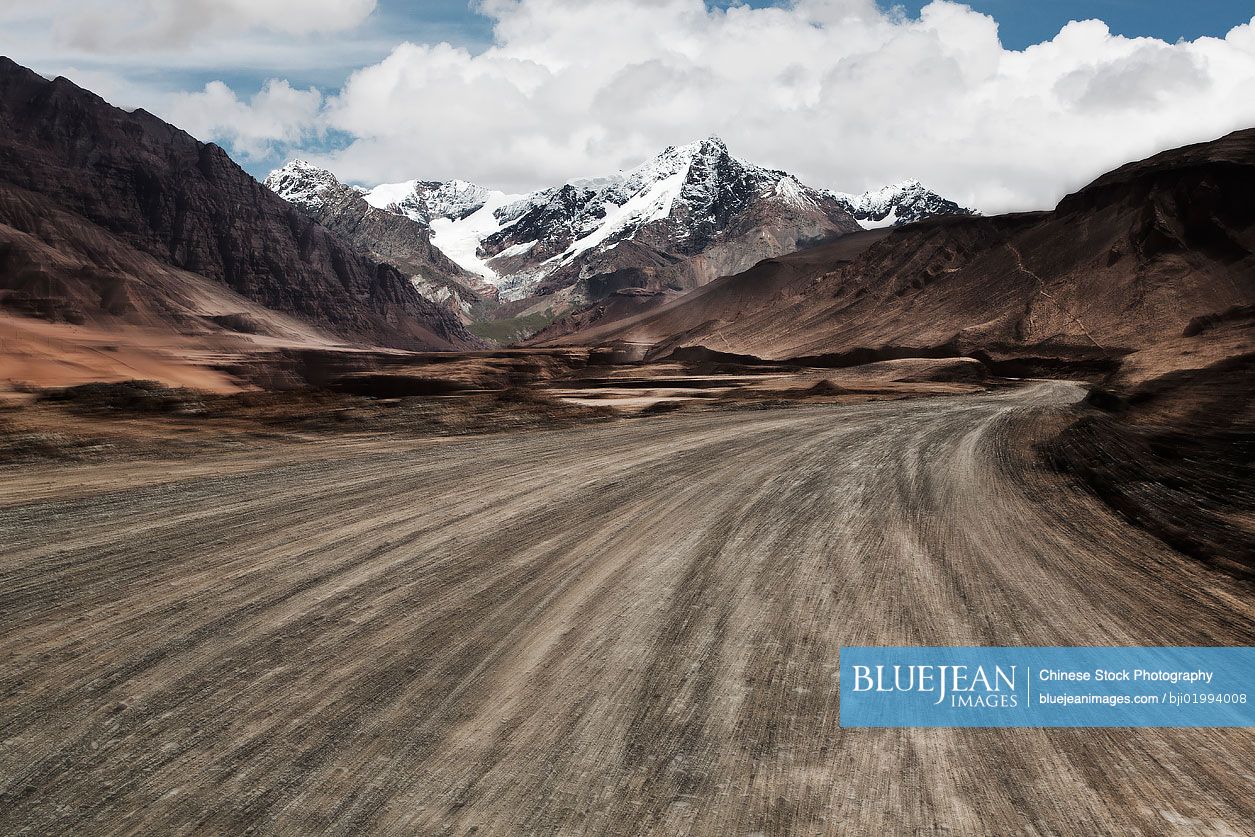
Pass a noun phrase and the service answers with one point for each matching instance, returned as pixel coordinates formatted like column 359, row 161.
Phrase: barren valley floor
column 620, row 628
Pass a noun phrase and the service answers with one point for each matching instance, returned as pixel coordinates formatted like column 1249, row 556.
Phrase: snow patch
column 877, row 224
column 460, row 239
column 794, row 194
column 517, row 250
column 650, row 205
column 388, row 195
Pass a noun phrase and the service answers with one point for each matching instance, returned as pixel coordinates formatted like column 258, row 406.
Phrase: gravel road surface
column 622, row 628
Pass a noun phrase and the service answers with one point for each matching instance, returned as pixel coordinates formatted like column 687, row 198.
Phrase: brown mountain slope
column 1154, row 258
column 85, row 306
column 711, row 308
column 142, row 205
column 58, row 266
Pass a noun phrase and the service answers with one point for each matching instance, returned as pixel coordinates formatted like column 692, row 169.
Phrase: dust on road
column 616, row 629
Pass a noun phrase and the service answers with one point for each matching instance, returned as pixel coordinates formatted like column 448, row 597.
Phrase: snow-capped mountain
column 392, row 234
column 901, row 203
column 685, row 201
column 690, row 214
column 304, row 185
column 685, row 217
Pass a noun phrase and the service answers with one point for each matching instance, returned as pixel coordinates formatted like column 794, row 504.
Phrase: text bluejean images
column 1048, row 687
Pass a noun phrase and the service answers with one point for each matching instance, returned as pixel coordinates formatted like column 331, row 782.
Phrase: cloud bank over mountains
column 843, row 93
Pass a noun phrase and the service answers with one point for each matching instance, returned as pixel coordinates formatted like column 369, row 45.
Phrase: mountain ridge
column 1146, row 270
column 143, row 195
column 906, row 202
column 676, row 221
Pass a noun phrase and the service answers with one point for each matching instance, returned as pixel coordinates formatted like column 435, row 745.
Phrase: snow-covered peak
column 302, row 183
column 682, row 202
column 619, row 188
column 683, row 198
column 673, row 161
column 712, row 146
column 593, row 212
column 874, row 198
column 714, row 174
column 899, row 203
column 700, row 159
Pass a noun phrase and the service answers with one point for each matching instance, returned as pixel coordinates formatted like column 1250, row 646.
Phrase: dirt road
column 617, row 629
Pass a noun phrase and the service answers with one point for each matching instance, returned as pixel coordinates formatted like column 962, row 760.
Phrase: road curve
column 616, row 629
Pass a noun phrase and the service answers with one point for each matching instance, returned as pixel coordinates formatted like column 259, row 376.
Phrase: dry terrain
column 616, row 628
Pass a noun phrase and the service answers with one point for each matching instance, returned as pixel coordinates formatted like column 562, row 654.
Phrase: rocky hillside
column 387, row 234
column 106, row 214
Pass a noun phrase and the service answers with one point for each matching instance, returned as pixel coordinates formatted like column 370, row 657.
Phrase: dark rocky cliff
column 188, row 205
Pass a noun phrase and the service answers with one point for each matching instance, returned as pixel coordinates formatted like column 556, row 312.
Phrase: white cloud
column 158, row 44
column 841, row 92
column 278, row 115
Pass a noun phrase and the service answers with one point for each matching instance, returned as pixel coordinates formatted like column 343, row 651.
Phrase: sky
column 999, row 104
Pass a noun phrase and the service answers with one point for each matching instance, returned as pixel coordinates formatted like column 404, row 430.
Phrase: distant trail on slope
column 613, row 629
column 1041, row 289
